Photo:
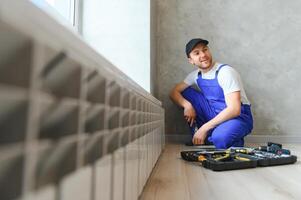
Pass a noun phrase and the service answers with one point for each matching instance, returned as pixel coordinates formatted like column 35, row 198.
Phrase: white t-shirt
column 228, row 78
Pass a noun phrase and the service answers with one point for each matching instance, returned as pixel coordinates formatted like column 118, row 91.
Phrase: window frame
column 74, row 17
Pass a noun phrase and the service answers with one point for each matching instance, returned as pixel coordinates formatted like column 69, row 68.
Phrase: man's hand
column 200, row 136
column 189, row 113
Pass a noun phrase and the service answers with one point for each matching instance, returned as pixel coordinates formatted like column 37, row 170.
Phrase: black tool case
column 228, row 165
column 208, row 158
column 272, row 161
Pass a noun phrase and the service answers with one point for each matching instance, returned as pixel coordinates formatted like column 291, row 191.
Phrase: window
column 120, row 31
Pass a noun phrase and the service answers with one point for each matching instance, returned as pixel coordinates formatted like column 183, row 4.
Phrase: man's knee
column 220, row 141
column 224, row 142
column 230, row 133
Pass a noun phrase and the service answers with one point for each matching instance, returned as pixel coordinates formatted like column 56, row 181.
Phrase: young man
column 220, row 112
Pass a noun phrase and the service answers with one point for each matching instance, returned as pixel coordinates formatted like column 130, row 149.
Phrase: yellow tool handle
column 242, row 158
column 201, row 158
column 222, row 157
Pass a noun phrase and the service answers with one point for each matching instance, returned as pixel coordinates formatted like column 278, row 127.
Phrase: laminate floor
column 175, row 179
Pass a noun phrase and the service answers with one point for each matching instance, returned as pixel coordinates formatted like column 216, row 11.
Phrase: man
column 220, row 112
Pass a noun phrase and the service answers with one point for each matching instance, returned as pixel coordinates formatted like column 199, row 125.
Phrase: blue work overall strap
column 213, row 91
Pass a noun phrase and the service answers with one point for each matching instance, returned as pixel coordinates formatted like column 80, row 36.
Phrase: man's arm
column 176, row 96
column 231, row 111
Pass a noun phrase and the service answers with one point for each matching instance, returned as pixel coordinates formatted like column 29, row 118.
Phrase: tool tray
column 271, row 161
column 228, row 165
column 231, row 159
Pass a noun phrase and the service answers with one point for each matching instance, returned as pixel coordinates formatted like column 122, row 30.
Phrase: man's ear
column 190, row 61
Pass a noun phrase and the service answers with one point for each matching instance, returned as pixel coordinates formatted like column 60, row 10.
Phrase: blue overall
column 210, row 102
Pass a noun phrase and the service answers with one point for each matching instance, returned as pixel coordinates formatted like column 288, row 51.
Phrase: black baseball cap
column 192, row 43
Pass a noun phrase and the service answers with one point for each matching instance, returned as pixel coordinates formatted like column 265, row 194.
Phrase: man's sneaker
column 189, row 143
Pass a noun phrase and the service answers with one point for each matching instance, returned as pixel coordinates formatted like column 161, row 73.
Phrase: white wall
column 120, row 31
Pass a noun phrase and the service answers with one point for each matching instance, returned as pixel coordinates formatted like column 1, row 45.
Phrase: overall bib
column 210, row 102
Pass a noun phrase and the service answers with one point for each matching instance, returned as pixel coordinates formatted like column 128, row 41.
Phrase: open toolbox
column 240, row 157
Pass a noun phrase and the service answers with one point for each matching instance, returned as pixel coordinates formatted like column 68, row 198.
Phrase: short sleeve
column 191, row 78
column 229, row 80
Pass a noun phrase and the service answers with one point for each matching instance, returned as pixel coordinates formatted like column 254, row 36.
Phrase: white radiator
column 72, row 126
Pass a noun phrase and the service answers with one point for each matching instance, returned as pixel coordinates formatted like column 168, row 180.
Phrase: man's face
column 201, row 57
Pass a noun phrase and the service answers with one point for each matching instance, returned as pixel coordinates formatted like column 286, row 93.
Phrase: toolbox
column 240, row 157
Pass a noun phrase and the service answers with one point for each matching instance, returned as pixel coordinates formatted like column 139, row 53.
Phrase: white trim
column 273, row 138
column 72, row 12
column 77, row 15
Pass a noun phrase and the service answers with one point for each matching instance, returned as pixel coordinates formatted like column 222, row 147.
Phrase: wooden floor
column 175, row 179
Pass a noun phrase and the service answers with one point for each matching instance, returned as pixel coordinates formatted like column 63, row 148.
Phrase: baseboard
column 273, row 138
column 181, row 138
column 177, row 138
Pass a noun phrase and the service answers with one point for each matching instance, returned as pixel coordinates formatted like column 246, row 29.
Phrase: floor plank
column 175, row 179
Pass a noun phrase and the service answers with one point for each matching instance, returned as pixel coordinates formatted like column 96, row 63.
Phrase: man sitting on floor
column 220, row 113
